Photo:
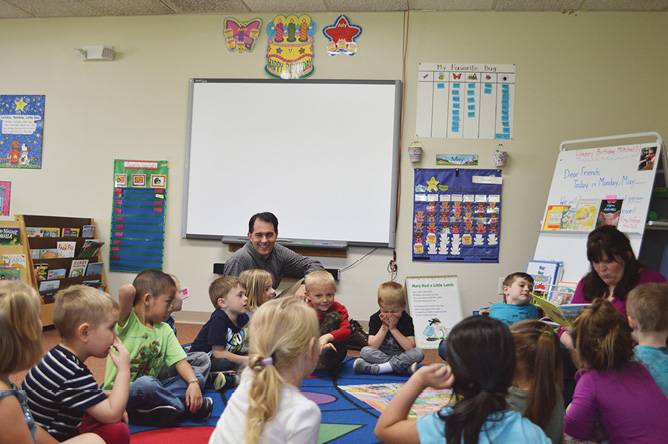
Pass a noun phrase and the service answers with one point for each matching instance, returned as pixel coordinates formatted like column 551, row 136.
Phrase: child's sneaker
column 226, row 380
column 412, row 369
column 160, row 416
column 203, row 413
column 360, row 366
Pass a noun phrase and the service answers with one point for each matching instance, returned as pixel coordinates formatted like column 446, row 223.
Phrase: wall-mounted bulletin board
column 435, row 305
column 608, row 184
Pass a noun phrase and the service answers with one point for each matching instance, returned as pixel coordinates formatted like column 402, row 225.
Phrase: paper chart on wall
column 465, row 101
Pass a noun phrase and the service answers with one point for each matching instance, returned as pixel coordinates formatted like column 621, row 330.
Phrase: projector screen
column 322, row 155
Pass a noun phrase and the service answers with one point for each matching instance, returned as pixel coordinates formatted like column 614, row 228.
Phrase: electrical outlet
column 501, row 286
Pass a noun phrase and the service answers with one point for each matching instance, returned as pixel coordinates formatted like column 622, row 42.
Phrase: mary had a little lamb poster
column 21, row 125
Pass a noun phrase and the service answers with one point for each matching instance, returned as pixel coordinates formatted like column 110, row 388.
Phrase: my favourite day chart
column 465, row 101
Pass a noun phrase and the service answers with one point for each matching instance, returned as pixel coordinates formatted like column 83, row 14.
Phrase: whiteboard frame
column 296, row 240
column 577, row 259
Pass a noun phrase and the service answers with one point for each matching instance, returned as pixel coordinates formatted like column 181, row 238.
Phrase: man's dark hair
column 264, row 217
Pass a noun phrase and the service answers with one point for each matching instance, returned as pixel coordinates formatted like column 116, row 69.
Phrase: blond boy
column 333, row 319
column 516, row 306
column 152, row 344
column 647, row 310
column 391, row 336
column 62, row 394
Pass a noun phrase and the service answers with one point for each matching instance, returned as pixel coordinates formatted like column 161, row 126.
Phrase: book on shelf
column 88, row 231
column 95, row 284
column 545, row 274
column 553, row 217
column 585, row 215
column 48, row 253
column 34, row 231
column 14, row 260
column 90, row 248
column 558, row 315
column 35, row 253
column 562, row 292
column 70, row 232
column 94, row 269
column 609, row 212
column 51, row 232
column 10, row 273
column 78, row 267
column 41, row 271
column 66, row 248
column 10, row 236
column 58, row 273
column 48, row 288
column 567, row 218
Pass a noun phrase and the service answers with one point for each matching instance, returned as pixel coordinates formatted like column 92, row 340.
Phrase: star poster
column 21, row 125
column 456, row 215
column 241, row 36
column 341, row 37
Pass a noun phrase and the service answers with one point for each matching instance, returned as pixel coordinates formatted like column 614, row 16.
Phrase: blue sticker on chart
column 440, row 85
column 472, row 114
column 471, row 107
column 471, row 100
column 470, row 92
column 471, row 85
column 455, row 105
column 488, row 85
column 455, row 112
column 455, row 98
column 506, row 130
column 455, row 93
column 455, row 85
column 455, row 118
column 488, row 90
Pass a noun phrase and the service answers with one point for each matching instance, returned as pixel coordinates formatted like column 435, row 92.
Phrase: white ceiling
column 100, row 8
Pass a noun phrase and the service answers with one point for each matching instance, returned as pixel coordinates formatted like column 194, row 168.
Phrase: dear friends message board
column 435, row 306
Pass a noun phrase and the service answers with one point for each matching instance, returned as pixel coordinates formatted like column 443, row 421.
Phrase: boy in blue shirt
column 516, row 306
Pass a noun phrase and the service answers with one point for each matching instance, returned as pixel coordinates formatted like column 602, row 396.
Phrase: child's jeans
column 116, row 433
column 147, row 392
column 400, row 360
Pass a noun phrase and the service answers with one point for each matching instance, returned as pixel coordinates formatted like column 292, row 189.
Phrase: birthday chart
column 465, row 101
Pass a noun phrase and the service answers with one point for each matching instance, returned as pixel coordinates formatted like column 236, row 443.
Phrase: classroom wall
column 578, row 76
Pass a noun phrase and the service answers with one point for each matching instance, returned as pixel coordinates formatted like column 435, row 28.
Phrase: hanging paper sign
column 341, row 37
column 241, row 36
column 456, row 159
column 21, row 122
column 290, row 48
column 5, row 194
column 456, row 215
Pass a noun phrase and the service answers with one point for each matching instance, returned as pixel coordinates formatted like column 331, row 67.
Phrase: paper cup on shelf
column 415, row 151
column 500, row 158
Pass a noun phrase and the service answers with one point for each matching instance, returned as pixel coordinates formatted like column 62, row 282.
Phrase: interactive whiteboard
column 322, row 155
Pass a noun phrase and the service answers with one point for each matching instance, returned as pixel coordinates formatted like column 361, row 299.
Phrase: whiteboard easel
column 598, row 172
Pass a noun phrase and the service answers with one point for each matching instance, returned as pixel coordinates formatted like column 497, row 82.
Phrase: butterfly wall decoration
column 241, row 36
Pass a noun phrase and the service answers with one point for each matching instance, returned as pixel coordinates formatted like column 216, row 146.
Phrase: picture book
column 545, row 274
column 609, row 212
column 51, row 232
column 34, row 231
column 553, row 217
column 562, row 292
column 78, row 267
column 541, row 284
column 14, row 260
column 567, row 218
column 561, row 315
column 10, row 236
column 585, row 215
column 35, row 253
column 41, row 271
column 66, row 248
column 95, row 284
column 70, row 232
column 90, row 248
column 58, row 273
column 10, row 273
column 94, row 269
column 48, row 288
column 48, row 253
column 88, row 231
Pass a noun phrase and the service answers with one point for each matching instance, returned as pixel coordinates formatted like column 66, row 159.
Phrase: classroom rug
column 350, row 405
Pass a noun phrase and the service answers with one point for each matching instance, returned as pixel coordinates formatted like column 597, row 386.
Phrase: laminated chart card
column 435, row 306
column 138, row 215
column 465, row 101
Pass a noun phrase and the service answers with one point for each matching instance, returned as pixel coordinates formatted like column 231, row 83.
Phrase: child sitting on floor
column 615, row 397
column 333, row 318
column 480, row 367
column 268, row 406
column 20, row 348
column 647, row 310
column 516, row 306
column 61, row 389
column 259, row 288
column 224, row 334
column 144, row 305
column 391, row 336
column 536, row 389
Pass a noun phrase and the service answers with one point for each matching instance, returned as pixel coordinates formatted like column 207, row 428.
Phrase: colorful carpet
column 345, row 418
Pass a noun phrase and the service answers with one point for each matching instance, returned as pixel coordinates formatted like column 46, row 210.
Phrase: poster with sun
column 456, row 215
column 21, row 125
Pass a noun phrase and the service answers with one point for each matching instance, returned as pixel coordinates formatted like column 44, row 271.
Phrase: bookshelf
column 33, row 244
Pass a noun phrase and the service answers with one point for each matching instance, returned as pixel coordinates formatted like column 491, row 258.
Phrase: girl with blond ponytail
column 268, row 407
